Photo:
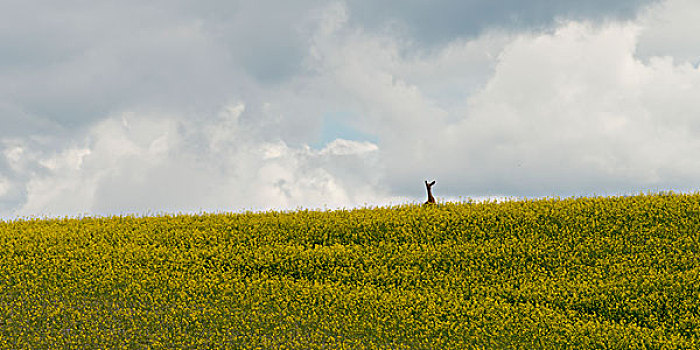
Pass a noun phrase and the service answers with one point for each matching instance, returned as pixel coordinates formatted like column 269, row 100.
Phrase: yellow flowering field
column 604, row 272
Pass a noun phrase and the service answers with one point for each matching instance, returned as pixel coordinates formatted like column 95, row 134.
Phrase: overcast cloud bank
column 180, row 107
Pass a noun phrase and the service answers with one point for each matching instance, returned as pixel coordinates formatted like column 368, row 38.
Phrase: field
column 607, row 272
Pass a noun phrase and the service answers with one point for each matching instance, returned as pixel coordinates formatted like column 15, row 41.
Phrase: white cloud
column 141, row 163
column 670, row 28
column 576, row 112
column 340, row 147
column 4, row 186
column 13, row 155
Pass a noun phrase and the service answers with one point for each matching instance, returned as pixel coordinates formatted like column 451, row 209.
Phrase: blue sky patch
column 337, row 125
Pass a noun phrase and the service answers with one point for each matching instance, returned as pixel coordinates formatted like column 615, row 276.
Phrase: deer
column 431, row 199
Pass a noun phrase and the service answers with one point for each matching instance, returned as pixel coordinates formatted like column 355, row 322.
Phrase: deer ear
column 432, row 183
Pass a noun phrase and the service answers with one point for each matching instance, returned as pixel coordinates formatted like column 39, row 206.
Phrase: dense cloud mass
column 179, row 106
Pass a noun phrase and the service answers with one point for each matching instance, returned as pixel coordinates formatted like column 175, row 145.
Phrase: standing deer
column 431, row 199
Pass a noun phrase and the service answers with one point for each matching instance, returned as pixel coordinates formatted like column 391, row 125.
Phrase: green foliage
column 608, row 273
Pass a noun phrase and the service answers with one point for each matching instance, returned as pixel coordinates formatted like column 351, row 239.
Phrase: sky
column 147, row 107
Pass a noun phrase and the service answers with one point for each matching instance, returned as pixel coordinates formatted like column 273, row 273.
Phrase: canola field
column 606, row 273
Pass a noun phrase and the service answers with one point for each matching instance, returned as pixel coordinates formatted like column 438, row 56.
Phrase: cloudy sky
column 137, row 107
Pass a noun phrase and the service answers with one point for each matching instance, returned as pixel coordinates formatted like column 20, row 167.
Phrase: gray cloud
column 438, row 22
column 77, row 64
column 73, row 63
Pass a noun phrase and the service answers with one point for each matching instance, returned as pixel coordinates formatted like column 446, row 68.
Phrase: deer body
column 431, row 199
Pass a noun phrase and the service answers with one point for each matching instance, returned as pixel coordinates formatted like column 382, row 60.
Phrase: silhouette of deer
column 431, row 199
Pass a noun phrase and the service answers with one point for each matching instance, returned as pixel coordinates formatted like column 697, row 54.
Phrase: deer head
column 429, row 186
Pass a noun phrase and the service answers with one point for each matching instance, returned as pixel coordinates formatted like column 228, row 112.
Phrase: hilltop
column 607, row 272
